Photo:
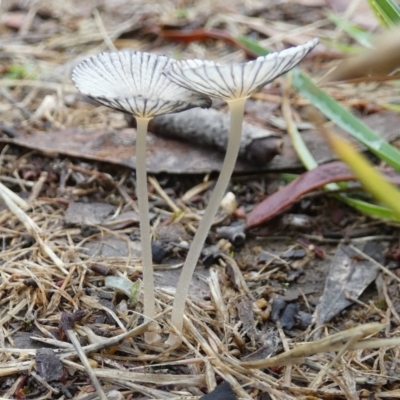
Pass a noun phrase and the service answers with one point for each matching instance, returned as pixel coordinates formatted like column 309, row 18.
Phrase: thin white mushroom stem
column 144, row 220
column 236, row 108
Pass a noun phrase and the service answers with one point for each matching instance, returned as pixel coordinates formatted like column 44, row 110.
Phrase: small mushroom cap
column 237, row 80
column 133, row 82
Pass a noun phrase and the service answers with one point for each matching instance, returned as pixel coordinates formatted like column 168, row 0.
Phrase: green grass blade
column 386, row 11
column 364, row 207
column 370, row 209
column 309, row 162
column 345, row 119
column 355, row 32
column 299, row 146
column 337, row 113
column 393, row 107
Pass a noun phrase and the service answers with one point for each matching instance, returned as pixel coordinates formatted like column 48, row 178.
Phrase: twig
column 382, row 267
column 4, row 190
column 153, row 182
column 26, row 114
column 102, row 29
column 331, row 343
column 66, row 324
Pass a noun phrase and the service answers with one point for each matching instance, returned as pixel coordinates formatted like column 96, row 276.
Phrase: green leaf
column 299, row 146
column 386, row 11
column 253, row 46
column 135, row 292
column 393, row 107
column 16, row 71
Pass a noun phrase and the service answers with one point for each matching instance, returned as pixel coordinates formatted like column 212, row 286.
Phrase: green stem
column 143, row 202
column 237, row 111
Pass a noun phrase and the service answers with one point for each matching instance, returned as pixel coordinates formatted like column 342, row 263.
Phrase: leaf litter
column 49, row 271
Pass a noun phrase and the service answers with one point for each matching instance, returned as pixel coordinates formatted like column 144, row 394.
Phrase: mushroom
column 233, row 83
column 133, row 82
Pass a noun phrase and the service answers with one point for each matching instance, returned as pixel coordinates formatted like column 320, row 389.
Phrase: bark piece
column 211, row 128
column 48, row 365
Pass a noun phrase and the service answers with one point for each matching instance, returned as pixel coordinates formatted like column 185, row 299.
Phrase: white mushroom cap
column 237, row 80
column 133, row 82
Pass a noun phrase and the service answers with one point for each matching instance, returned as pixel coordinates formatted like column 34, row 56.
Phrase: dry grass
column 45, row 269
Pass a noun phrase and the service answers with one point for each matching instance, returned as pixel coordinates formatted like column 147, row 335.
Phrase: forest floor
column 317, row 269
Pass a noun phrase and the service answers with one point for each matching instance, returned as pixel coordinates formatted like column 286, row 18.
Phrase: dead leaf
column 348, row 277
column 211, row 128
column 87, row 213
column 112, row 246
column 201, row 34
column 199, row 289
column 179, row 157
column 307, row 182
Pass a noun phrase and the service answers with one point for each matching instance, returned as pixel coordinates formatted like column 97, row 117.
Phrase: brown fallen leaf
column 307, row 182
column 201, row 34
column 118, row 147
column 349, row 275
column 180, row 157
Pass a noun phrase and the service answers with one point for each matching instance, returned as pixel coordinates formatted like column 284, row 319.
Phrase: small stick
column 37, row 188
column 66, row 323
column 331, row 343
column 103, row 31
column 21, row 203
column 382, row 267
column 25, row 113
column 153, row 181
column 211, row 128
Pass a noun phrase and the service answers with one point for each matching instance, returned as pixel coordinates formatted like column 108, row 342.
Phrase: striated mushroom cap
column 133, row 82
column 236, row 80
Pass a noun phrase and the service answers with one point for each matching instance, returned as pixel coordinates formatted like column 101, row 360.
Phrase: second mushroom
column 233, row 83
